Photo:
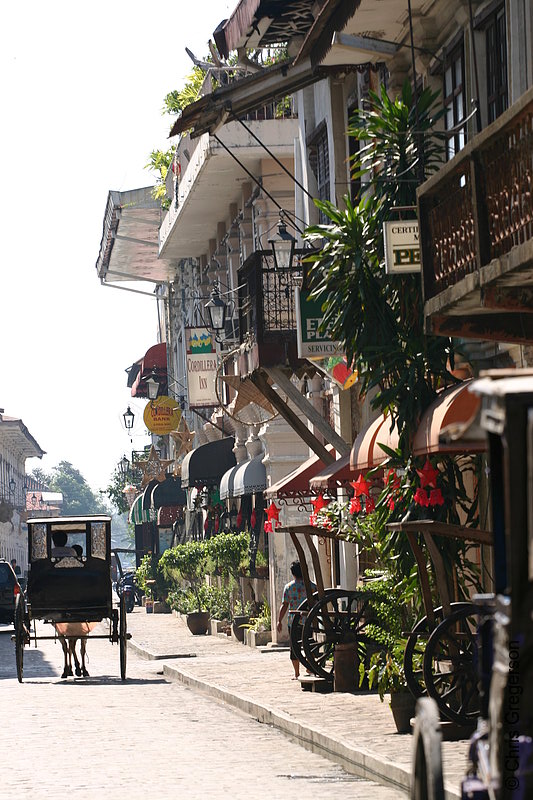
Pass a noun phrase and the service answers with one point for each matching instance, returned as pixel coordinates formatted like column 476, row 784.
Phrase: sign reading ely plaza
column 201, row 367
column 162, row 415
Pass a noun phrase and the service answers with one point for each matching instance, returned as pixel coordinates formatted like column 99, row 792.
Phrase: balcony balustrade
column 267, row 312
column 476, row 234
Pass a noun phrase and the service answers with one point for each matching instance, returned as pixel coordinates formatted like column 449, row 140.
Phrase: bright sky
column 82, row 92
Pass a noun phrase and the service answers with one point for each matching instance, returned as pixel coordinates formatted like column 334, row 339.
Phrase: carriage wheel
column 20, row 636
column 123, row 637
column 450, row 666
column 415, row 649
column 338, row 616
column 427, row 783
column 296, row 634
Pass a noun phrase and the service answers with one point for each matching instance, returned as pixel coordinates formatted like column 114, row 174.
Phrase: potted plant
column 386, row 674
column 261, row 565
column 188, row 562
column 229, row 552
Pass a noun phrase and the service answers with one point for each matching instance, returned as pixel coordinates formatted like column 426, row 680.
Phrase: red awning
column 154, row 362
column 295, row 485
column 366, row 452
column 454, row 406
column 339, row 473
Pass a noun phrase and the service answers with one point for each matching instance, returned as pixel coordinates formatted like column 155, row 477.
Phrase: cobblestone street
column 100, row 738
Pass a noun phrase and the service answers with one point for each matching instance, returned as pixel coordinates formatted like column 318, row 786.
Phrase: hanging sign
column 402, row 246
column 162, row 415
column 201, row 367
column 311, row 343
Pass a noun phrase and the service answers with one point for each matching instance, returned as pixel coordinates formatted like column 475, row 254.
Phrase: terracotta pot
column 403, row 710
column 198, row 622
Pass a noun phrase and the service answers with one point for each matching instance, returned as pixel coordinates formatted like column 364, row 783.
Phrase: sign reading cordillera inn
column 201, row 367
column 402, row 246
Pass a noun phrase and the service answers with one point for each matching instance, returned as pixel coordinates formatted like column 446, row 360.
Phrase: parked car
column 9, row 589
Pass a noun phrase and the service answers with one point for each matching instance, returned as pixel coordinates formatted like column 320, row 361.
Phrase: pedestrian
column 16, row 568
column 294, row 593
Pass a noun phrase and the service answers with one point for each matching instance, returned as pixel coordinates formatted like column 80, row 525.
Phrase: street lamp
column 282, row 244
column 12, row 486
column 123, row 466
column 129, row 417
column 152, row 386
column 216, row 308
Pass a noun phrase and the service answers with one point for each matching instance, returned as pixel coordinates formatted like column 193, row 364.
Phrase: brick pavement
column 99, row 738
column 357, row 726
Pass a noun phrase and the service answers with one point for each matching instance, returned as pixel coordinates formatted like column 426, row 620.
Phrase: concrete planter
column 257, row 638
column 160, row 607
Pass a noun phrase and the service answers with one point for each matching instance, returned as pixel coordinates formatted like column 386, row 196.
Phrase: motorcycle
column 126, row 587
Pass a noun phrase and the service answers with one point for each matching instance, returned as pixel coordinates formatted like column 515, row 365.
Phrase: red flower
column 390, row 503
column 392, row 478
column 428, row 475
column 421, row 497
column 268, row 527
column 312, row 520
column 360, row 486
column 355, row 505
column 319, row 503
column 273, row 512
column 370, row 505
column 436, row 498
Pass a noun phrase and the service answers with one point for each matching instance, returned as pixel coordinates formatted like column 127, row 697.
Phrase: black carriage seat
column 68, row 585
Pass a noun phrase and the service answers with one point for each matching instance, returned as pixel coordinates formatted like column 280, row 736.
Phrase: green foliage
column 114, row 492
column 159, row 163
column 386, row 670
column 78, row 497
column 263, row 620
column 145, row 572
column 178, row 99
column 186, row 562
column 379, row 317
column 229, row 552
column 207, row 598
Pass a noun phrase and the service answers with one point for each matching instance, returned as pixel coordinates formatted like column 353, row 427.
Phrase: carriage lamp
column 12, row 486
column 216, row 308
column 129, row 417
column 152, row 385
column 282, row 244
column 123, row 466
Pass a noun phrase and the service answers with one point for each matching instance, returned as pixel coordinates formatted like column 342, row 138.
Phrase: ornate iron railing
column 480, row 205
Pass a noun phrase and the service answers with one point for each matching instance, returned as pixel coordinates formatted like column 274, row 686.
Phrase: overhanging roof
column 250, row 477
column 338, row 473
column 168, row 493
column 17, row 437
column 129, row 249
column 295, row 485
column 366, row 452
column 455, row 406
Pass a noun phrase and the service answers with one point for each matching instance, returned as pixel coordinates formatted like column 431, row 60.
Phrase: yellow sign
column 162, row 415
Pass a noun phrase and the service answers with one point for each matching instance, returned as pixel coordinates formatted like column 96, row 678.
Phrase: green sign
column 312, row 344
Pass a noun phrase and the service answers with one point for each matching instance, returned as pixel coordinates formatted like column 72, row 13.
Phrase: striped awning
column 137, row 514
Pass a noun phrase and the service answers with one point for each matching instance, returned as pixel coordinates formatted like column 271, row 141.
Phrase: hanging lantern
column 319, row 503
column 360, row 486
column 253, row 519
column 239, row 519
column 273, row 512
column 428, row 475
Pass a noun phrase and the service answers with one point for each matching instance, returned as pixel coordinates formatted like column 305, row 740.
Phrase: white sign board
column 202, row 366
column 402, row 246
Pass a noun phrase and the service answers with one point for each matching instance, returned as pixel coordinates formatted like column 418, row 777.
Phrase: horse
column 68, row 634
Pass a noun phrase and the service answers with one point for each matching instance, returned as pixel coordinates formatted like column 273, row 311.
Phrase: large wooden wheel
column 338, row 617
column 416, row 646
column 20, row 635
column 123, row 637
column 426, row 781
column 450, row 666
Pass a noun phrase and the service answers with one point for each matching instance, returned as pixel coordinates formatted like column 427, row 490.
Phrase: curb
column 144, row 653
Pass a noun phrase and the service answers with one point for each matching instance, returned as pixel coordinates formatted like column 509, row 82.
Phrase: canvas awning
column 227, row 483
column 295, row 485
column 137, row 514
column 455, row 407
column 366, row 452
column 339, row 473
column 206, row 464
column 250, row 477
column 168, row 493
column 147, row 494
column 154, row 363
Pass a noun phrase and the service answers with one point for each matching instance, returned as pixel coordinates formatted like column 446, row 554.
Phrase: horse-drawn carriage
column 69, row 584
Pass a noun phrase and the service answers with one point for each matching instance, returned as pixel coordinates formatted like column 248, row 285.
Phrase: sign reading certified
column 201, row 367
column 402, row 246
column 162, row 415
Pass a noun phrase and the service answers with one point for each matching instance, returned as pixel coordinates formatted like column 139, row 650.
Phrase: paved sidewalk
column 355, row 729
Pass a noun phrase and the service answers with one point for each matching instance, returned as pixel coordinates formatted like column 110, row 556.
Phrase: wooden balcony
column 476, row 234
column 267, row 313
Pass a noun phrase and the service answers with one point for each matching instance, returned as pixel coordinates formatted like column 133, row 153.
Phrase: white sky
column 82, row 93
